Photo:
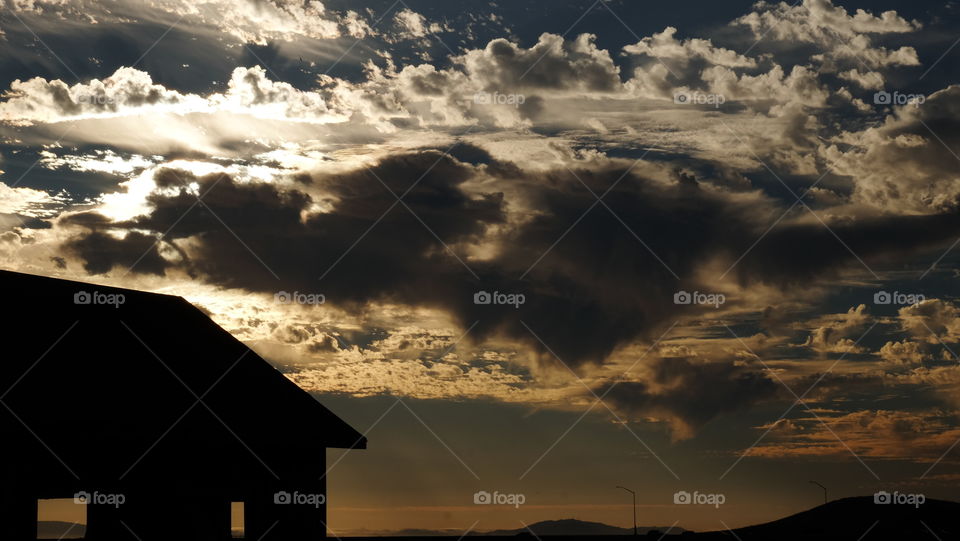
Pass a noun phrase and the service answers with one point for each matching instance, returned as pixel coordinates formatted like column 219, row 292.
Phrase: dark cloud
column 399, row 258
column 102, row 252
column 797, row 254
column 598, row 286
column 691, row 393
column 597, row 278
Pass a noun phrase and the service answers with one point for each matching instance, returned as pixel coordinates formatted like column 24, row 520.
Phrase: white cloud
column 260, row 21
column 820, row 20
column 104, row 161
column 665, row 45
column 901, row 165
column 552, row 64
column 130, row 91
column 843, row 38
column 412, row 25
column 838, row 333
column 40, row 100
column 870, row 80
column 905, row 352
column 933, row 320
column 27, row 201
column 801, row 86
column 251, row 21
column 250, row 91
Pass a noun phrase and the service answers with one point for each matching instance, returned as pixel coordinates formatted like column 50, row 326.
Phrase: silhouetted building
column 150, row 402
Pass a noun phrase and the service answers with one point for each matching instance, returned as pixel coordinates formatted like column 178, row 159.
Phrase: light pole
column 824, row 490
column 634, row 494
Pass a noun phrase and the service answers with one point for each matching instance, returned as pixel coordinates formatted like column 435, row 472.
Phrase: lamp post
column 634, row 494
column 824, row 490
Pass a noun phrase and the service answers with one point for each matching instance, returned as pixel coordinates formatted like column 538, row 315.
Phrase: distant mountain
column 573, row 526
column 570, row 526
column 408, row 532
column 850, row 519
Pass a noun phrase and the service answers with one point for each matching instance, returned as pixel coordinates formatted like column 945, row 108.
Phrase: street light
column 824, row 490
column 634, row 494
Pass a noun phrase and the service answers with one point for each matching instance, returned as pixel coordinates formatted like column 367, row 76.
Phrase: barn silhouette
column 148, row 401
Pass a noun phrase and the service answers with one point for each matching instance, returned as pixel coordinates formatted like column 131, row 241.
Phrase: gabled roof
column 123, row 375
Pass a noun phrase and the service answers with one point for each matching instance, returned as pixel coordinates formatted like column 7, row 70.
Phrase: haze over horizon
column 531, row 251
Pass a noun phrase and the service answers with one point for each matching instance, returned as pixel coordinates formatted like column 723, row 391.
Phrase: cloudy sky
column 535, row 248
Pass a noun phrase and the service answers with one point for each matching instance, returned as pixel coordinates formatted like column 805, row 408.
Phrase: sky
column 537, row 249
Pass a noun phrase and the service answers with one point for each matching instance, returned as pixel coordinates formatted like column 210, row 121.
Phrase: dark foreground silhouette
column 143, row 408
column 856, row 519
